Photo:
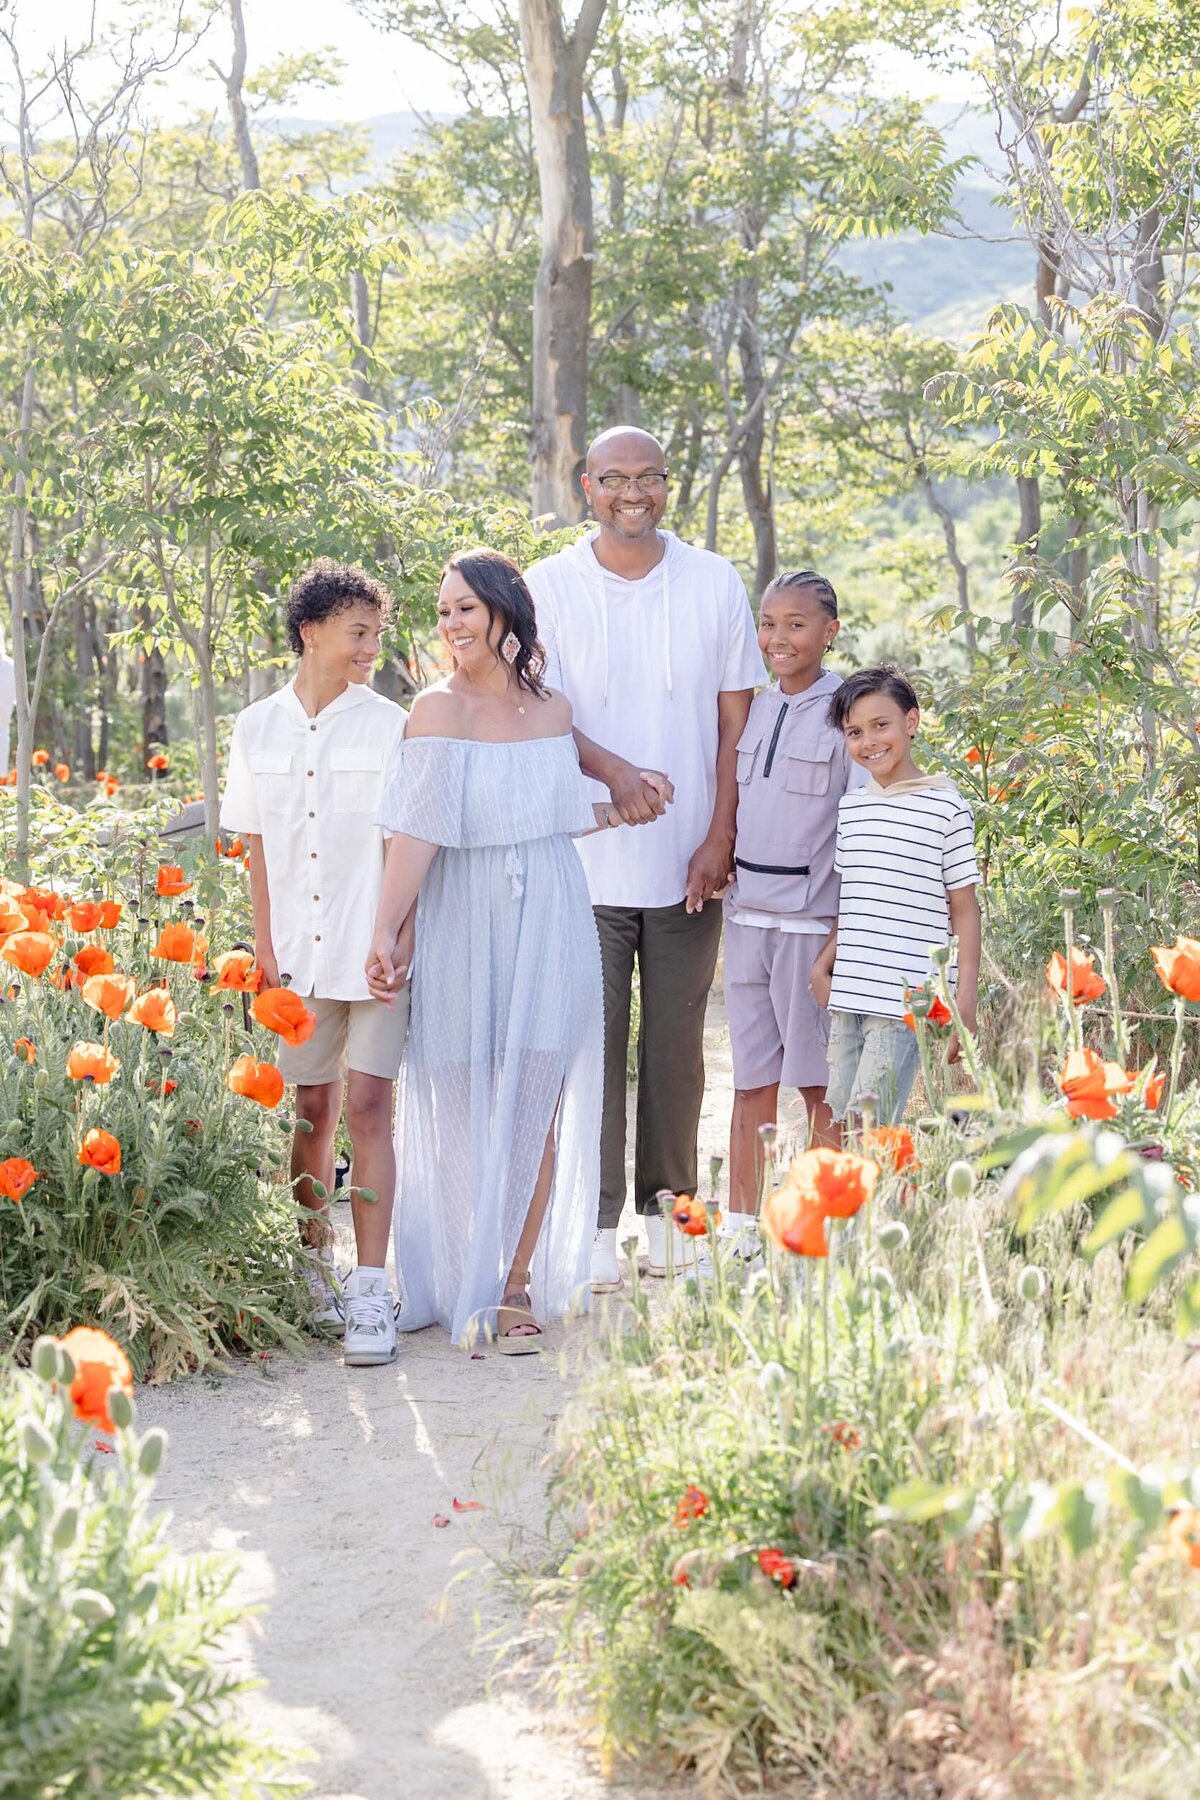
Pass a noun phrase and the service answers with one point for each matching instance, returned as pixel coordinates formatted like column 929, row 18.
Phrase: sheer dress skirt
column 505, row 1042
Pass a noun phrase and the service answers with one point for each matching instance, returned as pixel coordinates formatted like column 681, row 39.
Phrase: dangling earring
column 510, row 649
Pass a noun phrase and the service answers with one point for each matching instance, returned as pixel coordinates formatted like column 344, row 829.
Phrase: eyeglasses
column 652, row 482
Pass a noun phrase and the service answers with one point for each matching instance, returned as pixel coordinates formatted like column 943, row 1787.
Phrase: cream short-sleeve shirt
column 311, row 789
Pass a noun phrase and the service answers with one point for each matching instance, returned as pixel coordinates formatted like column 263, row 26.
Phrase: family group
column 462, row 894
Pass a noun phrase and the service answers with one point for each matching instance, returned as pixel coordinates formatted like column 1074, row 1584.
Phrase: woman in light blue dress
column 498, row 1128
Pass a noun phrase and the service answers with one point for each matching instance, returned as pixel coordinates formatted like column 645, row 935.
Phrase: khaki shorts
column 363, row 1035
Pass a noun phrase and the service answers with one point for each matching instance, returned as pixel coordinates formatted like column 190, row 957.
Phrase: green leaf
column 1162, row 1250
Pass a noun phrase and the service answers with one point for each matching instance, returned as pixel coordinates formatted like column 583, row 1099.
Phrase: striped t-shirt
column 898, row 854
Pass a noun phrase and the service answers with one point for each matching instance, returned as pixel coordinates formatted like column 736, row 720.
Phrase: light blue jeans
column 869, row 1055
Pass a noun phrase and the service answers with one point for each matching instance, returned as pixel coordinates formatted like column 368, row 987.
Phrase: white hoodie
column 642, row 663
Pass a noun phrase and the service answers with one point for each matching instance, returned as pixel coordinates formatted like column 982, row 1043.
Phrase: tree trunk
column 1029, row 530
column 20, row 589
column 238, row 115
column 756, row 485
column 154, row 699
column 562, row 295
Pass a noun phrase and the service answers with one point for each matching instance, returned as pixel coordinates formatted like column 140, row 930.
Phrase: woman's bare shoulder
column 557, row 709
column 435, row 712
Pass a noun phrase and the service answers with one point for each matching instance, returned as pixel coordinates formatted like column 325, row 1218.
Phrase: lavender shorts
column 777, row 1030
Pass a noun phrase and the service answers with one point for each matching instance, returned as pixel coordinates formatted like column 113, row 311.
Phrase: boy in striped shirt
column 906, row 856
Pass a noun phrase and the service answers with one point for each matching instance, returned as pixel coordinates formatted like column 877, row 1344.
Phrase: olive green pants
column 676, row 956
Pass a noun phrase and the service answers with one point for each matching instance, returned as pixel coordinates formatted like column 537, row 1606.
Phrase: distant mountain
column 945, row 284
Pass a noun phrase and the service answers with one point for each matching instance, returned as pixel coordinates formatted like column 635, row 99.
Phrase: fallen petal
column 468, row 1505
column 440, row 1520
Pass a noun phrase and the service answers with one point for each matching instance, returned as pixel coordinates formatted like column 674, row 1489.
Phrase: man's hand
column 709, row 871
column 639, row 795
column 267, row 962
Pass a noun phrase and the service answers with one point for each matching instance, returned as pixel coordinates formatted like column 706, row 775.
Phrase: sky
column 383, row 74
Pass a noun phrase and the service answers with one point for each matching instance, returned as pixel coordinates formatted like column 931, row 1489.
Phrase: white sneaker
column 656, row 1245
column 739, row 1241
column 370, row 1324
column 606, row 1270
column 326, row 1290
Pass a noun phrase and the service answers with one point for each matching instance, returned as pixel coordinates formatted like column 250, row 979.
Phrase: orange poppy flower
column 155, row 1010
column 12, row 916
column 169, row 883
column 690, row 1215
column 25, row 1047
column 260, row 1081
column 100, row 1150
column 107, row 784
column 939, row 1015
column 110, row 912
column 793, row 1221
column 692, row 1504
column 83, row 916
column 161, row 1087
column 892, row 1144
column 845, row 1435
column 16, row 1178
column 46, row 900
column 40, row 758
column 974, row 754
column 837, row 1181
column 179, row 943
column 109, row 994
column 1085, row 983
column 285, row 1013
column 1089, row 1083
column 779, row 1567
column 1154, row 1089
column 236, row 970
column 62, row 772
column 159, row 762
column 100, row 1366
column 92, row 960
column 29, row 951
column 233, row 850
column 1178, row 966
column 1183, row 1535
column 91, row 1062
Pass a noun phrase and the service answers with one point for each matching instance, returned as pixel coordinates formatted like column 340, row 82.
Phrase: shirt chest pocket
column 808, row 764
column 357, row 780
column 272, row 772
column 748, row 747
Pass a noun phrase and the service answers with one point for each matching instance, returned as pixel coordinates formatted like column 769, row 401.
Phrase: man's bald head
column 622, row 442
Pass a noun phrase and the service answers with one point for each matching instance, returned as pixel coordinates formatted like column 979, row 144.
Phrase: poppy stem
column 1108, row 907
column 1176, row 1052
column 1068, row 900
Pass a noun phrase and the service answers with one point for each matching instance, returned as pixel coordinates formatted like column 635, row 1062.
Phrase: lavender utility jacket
column 792, row 769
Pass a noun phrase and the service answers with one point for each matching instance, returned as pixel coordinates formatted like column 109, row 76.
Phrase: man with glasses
column 654, row 644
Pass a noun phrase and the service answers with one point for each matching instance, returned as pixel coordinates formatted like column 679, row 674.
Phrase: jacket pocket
column 809, row 764
column 272, row 772
column 748, row 746
column 773, row 877
column 357, row 780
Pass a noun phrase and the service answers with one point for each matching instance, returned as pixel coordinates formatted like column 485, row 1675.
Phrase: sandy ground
column 375, row 1644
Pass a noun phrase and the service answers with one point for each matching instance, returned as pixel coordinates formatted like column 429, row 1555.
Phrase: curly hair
column 329, row 587
column 497, row 582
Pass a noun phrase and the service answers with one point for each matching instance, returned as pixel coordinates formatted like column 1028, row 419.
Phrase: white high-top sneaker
column 656, row 1245
column 326, row 1289
column 606, row 1270
column 739, row 1241
column 370, row 1322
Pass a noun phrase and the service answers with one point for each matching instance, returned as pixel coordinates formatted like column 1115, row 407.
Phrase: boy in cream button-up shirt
column 307, row 768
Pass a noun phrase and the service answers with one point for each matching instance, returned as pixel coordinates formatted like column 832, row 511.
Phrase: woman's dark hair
column 883, row 680
column 821, row 589
column 330, row 587
column 497, row 582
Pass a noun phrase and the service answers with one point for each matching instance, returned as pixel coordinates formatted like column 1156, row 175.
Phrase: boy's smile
column 346, row 645
column 794, row 632
column 879, row 737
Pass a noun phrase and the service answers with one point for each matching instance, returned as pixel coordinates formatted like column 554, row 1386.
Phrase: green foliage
column 110, row 1671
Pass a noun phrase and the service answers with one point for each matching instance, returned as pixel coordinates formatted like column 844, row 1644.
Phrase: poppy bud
column 144, row 1595
column 93, row 1607
column 367, row 1194
column 1032, row 1283
column 893, row 1235
column 66, row 1525
column 152, row 1451
column 41, row 1081
column 66, row 1366
column 304, row 1125
column 320, row 1190
column 36, row 1441
column 881, row 1281
column 120, row 1408
column 44, row 1361
column 772, row 1378
column 960, row 1180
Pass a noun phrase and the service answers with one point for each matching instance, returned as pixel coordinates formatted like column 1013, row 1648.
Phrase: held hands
column 709, row 872
column 639, row 795
column 388, row 962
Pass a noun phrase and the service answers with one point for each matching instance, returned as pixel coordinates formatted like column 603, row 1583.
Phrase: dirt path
column 324, row 1482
